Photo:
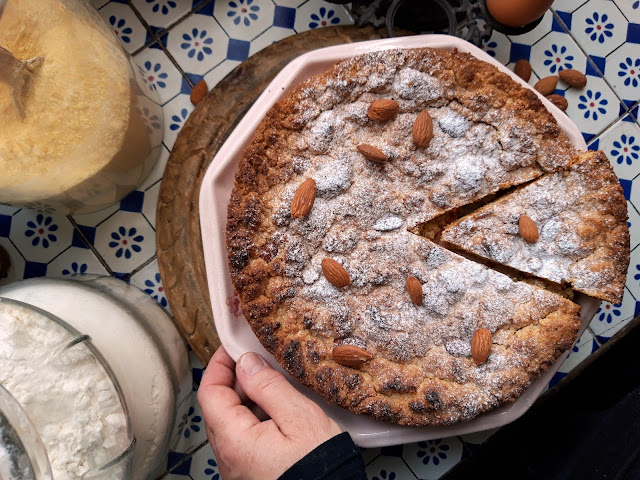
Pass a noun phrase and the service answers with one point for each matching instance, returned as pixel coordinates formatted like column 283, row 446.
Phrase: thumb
column 271, row 391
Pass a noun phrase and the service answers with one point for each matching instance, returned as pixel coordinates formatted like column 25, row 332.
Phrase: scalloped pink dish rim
column 233, row 330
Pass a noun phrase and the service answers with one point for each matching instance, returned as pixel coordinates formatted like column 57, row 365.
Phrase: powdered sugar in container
column 142, row 347
column 62, row 411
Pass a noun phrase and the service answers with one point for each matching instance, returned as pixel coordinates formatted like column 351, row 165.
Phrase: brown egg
column 516, row 13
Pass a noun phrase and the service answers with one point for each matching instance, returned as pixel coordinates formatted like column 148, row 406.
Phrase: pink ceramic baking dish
column 234, row 331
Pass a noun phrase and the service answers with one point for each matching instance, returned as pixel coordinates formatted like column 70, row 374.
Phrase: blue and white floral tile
column 594, row 107
column 176, row 113
column 622, row 70
column 630, row 9
column 610, row 318
column 568, row 5
column 598, row 26
column 275, row 33
column 244, row 20
column 125, row 241
column 161, row 14
column 389, row 468
column 585, row 346
column 204, row 464
column 158, row 73
column 125, row 24
column 318, row 14
column 155, row 175
column 149, row 281
column 40, row 237
column 75, row 261
column 192, row 430
column 621, row 144
column 199, row 44
column 431, row 459
column 17, row 261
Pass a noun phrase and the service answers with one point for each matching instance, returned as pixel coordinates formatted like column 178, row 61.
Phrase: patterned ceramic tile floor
column 176, row 43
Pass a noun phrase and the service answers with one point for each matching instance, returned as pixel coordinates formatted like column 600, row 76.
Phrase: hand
column 245, row 447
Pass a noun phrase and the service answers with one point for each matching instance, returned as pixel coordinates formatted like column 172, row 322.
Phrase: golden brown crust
column 420, row 374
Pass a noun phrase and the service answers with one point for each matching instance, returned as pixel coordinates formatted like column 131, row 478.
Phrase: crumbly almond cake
column 332, row 280
column 581, row 215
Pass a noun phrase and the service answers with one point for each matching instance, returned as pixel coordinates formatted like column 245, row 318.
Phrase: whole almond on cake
column 382, row 109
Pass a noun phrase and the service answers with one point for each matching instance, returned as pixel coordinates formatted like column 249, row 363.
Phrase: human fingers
column 288, row 408
column 222, row 407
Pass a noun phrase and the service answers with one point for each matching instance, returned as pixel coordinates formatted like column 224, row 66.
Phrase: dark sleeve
column 336, row 459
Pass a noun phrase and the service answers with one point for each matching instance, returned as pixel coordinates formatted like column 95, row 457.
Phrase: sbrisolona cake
column 325, row 247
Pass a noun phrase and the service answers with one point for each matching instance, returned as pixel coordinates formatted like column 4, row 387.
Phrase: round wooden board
column 179, row 244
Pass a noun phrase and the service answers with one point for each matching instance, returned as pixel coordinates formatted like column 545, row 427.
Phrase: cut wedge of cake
column 580, row 216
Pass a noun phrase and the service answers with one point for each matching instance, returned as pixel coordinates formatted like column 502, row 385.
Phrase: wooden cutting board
column 179, row 244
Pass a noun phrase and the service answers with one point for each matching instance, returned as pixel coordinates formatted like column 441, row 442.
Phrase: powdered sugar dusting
column 557, row 204
column 362, row 213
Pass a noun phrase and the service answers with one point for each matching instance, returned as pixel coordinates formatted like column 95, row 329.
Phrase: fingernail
column 252, row 363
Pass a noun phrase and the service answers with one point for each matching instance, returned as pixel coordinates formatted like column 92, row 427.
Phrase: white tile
column 579, row 352
column 192, row 432
column 623, row 71
column 151, row 114
column 555, row 52
column 204, row 464
column 599, row 27
column 162, row 13
column 567, row 5
column 634, row 225
column 244, row 19
column 9, row 210
column 176, row 113
column 125, row 241
column 150, row 204
column 594, row 107
column 621, row 144
column 125, row 24
column 198, row 44
column 75, row 261
column 149, row 281
column 217, row 74
column 498, row 46
column 318, row 14
column 158, row 169
column 16, row 266
column 633, row 274
column 388, row 468
column 95, row 218
column 272, row 35
column 433, row 458
column 159, row 74
column 611, row 318
column 289, row 3
column 542, row 29
column 40, row 237
column 630, row 8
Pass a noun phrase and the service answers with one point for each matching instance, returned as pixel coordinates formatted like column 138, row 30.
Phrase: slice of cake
column 579, row 217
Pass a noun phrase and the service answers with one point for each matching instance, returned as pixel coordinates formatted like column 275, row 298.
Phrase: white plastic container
column 138, row 340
